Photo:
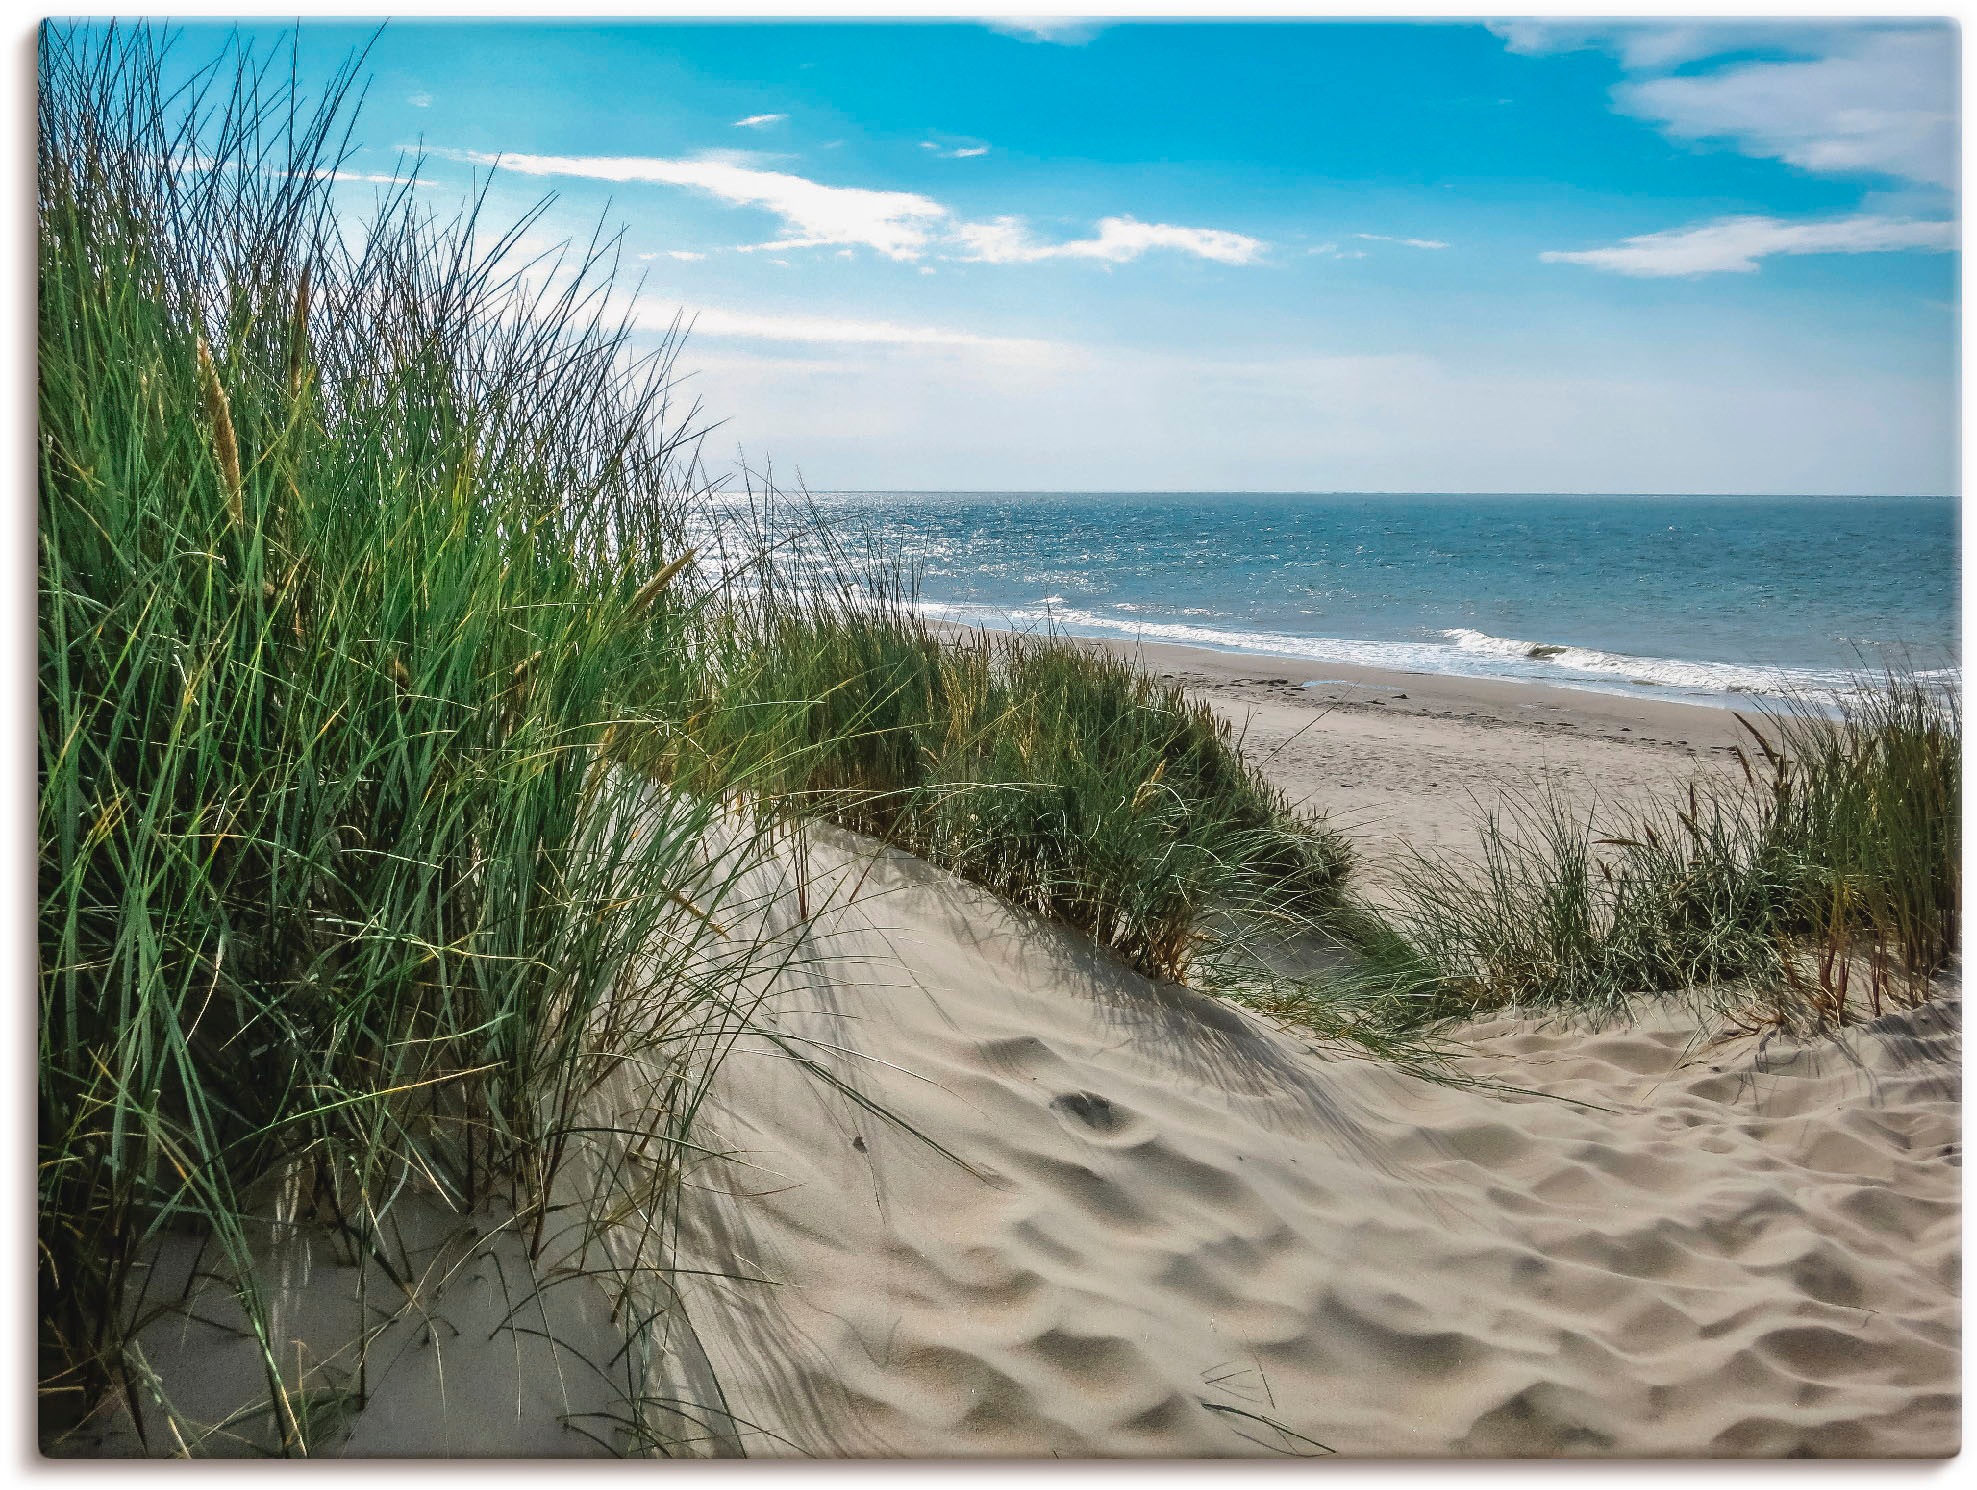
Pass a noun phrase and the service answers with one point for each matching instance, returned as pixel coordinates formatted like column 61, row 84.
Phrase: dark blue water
column 1709, row 597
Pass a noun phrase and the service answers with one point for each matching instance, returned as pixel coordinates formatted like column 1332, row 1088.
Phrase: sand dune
column 1100, row 1216
column 1168, row 1229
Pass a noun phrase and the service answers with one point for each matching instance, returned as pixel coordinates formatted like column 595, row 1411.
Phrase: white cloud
column 1409, row 242
column 1649, row 45
column 717, row 323
column 1069, row 31
column 420, row 100
column 686, row 255
column 759, row 121
column 1006, row 240
column 375, row 178
column 902, row 225
column 1881, row 101
column 955, row 152
column 895, row 223
column 1841, row 98
column 1735, row 244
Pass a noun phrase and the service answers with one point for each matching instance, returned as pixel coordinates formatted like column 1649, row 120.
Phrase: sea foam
column 1455, row 651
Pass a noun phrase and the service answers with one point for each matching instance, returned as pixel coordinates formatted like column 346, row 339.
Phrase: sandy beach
column 1057, row 1209
column 1410, row 756
column 1406, row 760
column 1162, row 1226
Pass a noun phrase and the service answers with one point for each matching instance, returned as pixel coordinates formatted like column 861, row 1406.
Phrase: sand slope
column 1132, row 1220
column 1180, row 1232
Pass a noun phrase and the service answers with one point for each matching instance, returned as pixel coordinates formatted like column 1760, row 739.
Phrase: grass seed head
column 226, row 449
column 298, row 335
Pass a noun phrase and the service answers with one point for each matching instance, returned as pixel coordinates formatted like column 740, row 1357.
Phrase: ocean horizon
column 1715, row 599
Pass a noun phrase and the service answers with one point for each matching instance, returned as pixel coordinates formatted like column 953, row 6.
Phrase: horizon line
column 1290, row 491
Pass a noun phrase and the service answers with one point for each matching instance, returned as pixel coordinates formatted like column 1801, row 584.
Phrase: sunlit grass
column 1067, row 781
column 1817, row 886
column 340, row 531
column 389, row 721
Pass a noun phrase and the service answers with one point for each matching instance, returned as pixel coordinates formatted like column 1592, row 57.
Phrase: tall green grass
column 1818, row 885
column 350, row 540
column 1064, row 779
column 388, row 724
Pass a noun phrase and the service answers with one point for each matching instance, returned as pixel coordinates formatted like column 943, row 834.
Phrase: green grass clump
column 386, row 723
column 341, row 534
column 1062, row 778
column 1818, row 886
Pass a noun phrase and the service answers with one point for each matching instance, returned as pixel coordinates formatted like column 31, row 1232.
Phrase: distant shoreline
column 1499, row 700
column 1299, row 491
column 1504, row 700
column 1718, row 601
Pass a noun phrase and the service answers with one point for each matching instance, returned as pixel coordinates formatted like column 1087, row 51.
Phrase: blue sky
column 1530, row 256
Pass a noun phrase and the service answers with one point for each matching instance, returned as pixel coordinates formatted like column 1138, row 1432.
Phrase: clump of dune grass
column 1066, row 780
column 1817, row 886
column 400, row 744
column 351, row 538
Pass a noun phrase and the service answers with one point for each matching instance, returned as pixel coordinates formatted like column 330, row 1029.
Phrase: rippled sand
column 1169, row 1229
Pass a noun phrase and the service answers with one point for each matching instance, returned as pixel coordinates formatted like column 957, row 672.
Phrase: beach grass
column 403, row 734
column 1065, row 780
column 1817, row 886
column 350, row 541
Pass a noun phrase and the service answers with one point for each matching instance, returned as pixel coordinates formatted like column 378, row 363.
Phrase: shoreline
column 1347, row 684
column 1293, row 681
column 1408, row 763
column 1690, row 722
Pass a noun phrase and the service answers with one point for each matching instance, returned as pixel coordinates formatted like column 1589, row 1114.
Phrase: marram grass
column 388, row 712
column 1817, row 885
column 1064, row 779
column 341, row 534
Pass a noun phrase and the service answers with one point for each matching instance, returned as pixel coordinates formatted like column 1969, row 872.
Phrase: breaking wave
column 1456, row 651
column 1548, row 659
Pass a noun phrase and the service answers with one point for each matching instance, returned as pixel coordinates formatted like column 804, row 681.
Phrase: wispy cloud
column 1409, row 242
column 954, row 152
column 895, row 223
column 745, row 325
column 1884, row 101
column 345, row 174
column 1068, row 31
column 1834, row 98
column 759, row 121
column 1007, row 240
column 1736, row 244
column 902, row 225
column 1650, row 45
column 419, row 100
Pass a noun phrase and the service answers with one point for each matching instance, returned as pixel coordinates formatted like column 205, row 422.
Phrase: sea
column 1714, row 599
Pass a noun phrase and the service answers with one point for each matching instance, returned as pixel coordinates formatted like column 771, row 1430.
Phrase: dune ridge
column 1163, row 1227
column 1053, row 1208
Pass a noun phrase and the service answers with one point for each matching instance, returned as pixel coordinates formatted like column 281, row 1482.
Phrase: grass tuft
column 1818, row 886
column 401, row 754
column 1064, row 779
